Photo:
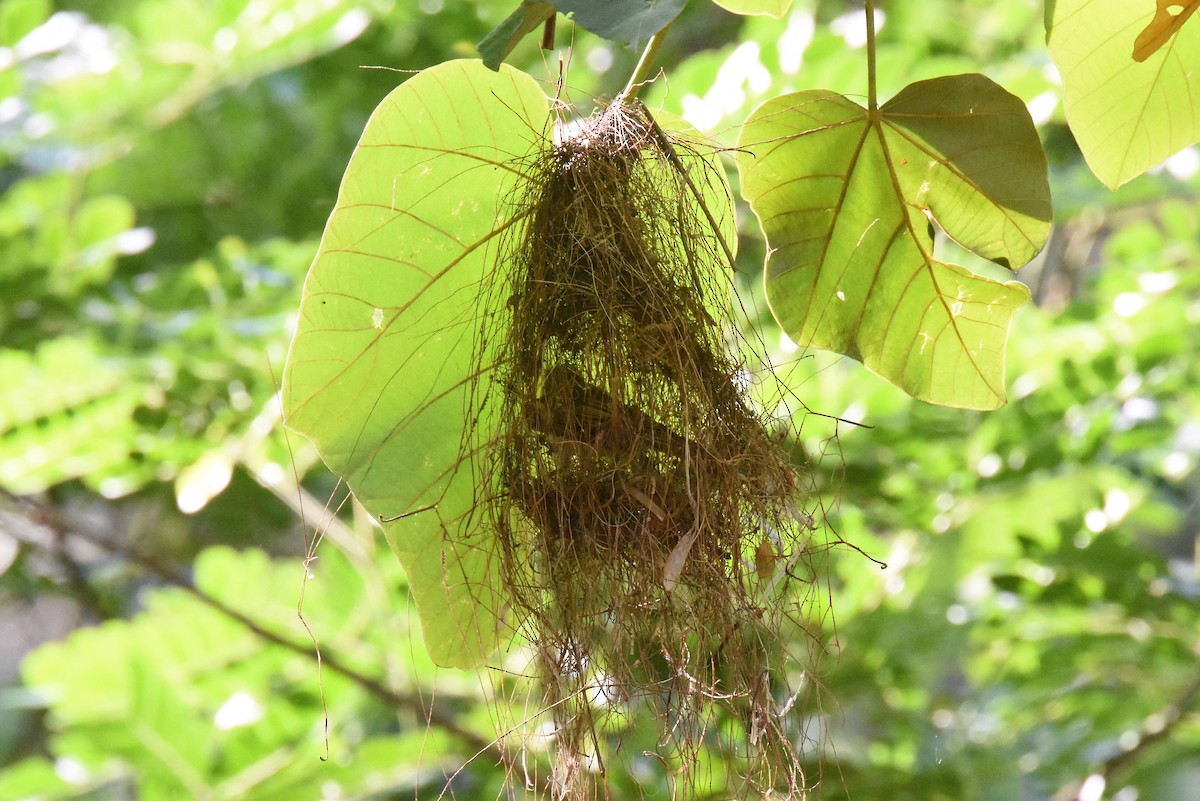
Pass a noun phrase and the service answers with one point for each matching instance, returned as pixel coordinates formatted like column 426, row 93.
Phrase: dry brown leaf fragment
column 1164, row 25
column 673, row 568
column 764, row 560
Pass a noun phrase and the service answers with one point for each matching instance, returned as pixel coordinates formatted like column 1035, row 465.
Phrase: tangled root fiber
column 638, row 488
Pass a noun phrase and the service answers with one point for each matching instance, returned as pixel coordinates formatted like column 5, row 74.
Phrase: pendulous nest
column 645, row 506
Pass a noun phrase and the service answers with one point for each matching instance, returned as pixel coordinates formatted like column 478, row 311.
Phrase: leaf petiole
column 872, row 96
column 641, row 73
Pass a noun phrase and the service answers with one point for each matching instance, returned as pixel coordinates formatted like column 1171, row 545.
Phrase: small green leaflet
column 381, row 368
column 1127, row 116
column 847, row 201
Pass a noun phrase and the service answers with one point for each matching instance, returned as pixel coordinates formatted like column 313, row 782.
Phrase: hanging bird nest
column 641, row 498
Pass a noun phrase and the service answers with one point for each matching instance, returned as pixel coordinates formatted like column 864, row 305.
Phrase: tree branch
column 63, row 528
column 1169, row 717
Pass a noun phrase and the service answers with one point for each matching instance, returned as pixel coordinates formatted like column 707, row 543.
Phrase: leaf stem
column 641, row 73
column 872, row 98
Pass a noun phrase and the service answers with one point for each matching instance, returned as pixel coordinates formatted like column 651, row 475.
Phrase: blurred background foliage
column 166, row 167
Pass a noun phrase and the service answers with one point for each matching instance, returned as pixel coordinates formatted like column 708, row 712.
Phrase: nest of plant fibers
column 645, row 506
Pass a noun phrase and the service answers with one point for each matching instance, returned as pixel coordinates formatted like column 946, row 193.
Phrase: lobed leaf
column 847, row 198
column 1127, row 116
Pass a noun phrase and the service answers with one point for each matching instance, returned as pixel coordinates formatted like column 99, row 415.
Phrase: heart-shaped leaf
column 384, row 373
column 1127, row 116
column 847, row 197
column 381, row 368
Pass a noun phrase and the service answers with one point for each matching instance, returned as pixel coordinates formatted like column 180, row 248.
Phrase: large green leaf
column 1162, row 27
column 846, row 199
column 632, row 21
column 767, row 8
column 1126, row 115
column 385, row 374
column 380, row 370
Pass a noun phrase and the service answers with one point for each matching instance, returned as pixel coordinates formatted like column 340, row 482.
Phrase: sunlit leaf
column 19, row 17
column 1164, row 25
column 1126, row 116
column 384, row 374
column 187, row 700
column 66, row 411
column 767, row 8
column 382, row 366
column 847, row 200
column 164, row 725
column 34, row 777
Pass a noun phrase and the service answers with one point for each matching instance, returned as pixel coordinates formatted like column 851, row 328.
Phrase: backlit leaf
column 66, row 411
column 381, row 367
column 1127, row 116
column 847, row 200
column 766, row 8
column 384, row 374
column 1162, row 27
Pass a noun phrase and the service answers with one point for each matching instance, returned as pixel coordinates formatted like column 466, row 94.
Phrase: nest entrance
column 636, row 482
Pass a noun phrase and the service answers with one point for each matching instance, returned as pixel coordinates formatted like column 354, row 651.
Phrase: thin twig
column 80, row 588
column 665, row 145
column 1171, row 716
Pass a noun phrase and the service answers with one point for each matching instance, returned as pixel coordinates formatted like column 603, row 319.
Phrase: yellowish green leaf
column 1162, row 27
column 847, row 199
column 381, row 368
column 1127, row 116
column 766, row 8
